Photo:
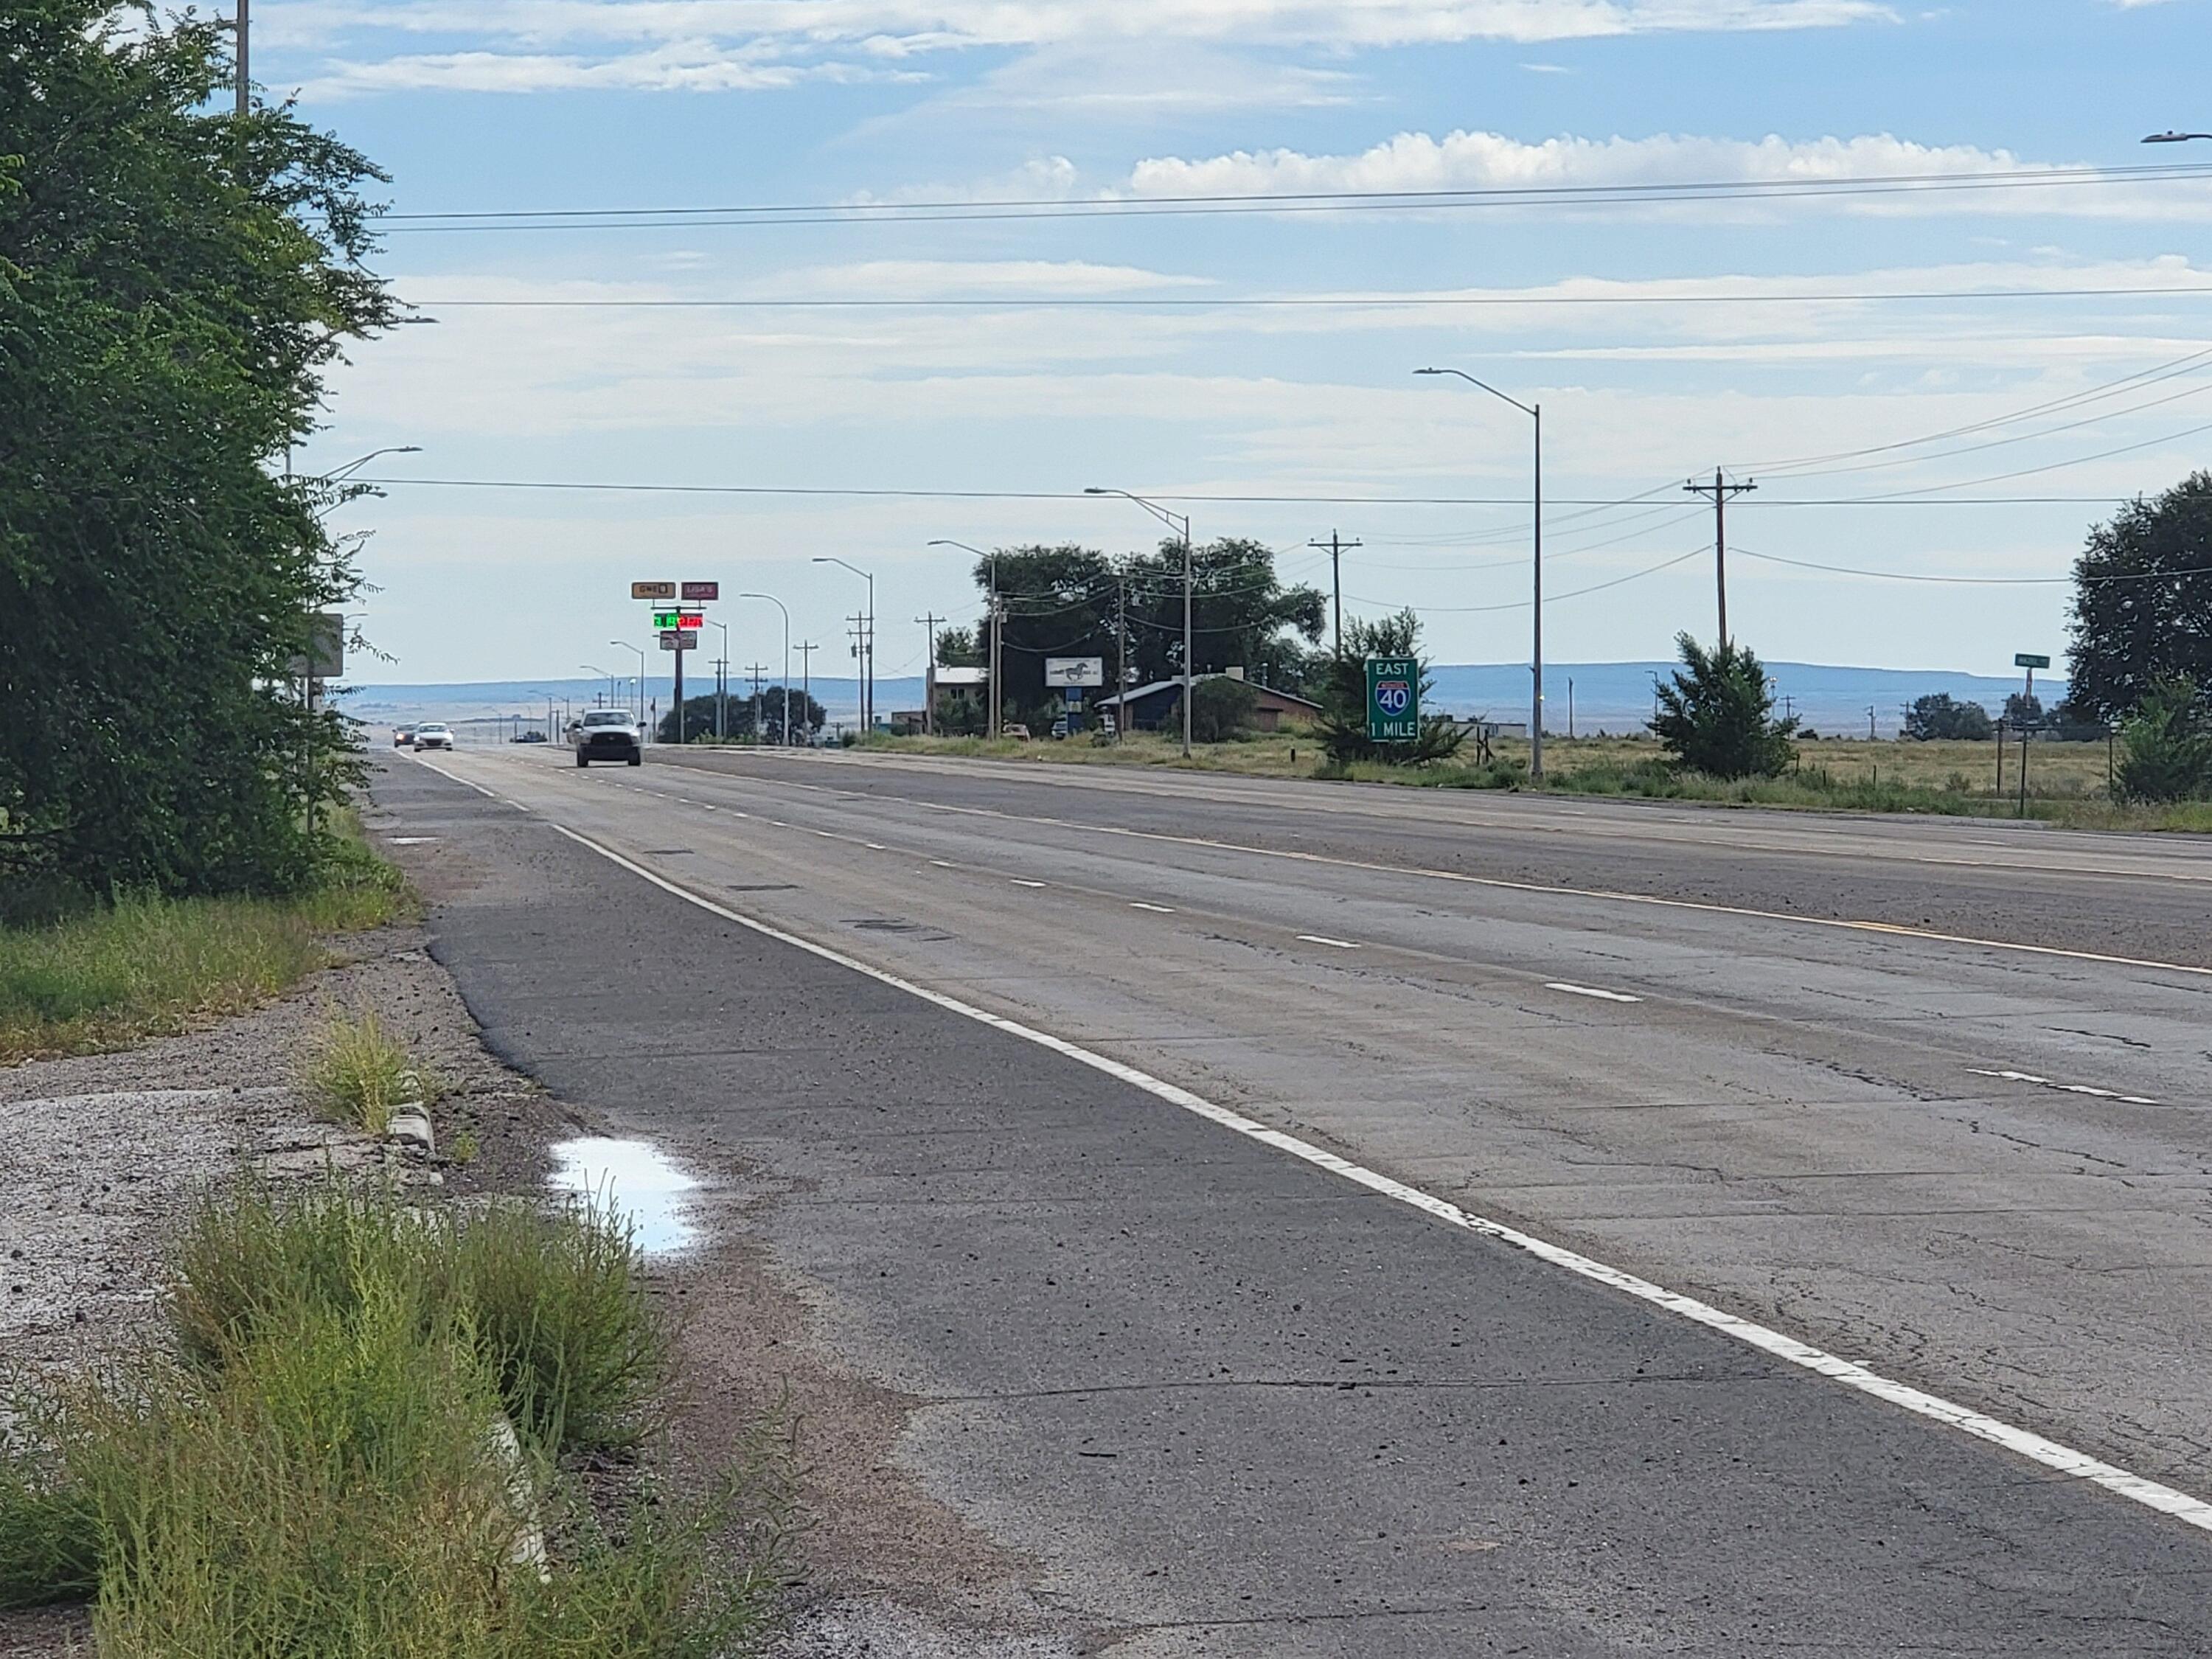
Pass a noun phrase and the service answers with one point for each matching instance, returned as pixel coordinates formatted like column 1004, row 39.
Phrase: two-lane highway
column 1928, row 1096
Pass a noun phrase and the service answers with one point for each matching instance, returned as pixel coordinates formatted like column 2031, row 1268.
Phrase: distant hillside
column 1608, row 696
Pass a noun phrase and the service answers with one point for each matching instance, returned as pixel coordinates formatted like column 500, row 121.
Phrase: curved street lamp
column 2175, row 137
column 867, row 644
column 1534, row 412
column 779, row 605
column 991, row 559
column 1174, row 521
column 626, row 645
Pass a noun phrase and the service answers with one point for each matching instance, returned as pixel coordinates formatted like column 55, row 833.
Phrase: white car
column 433, row 736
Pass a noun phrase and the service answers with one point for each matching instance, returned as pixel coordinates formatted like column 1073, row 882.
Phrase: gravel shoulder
column 101, row 1156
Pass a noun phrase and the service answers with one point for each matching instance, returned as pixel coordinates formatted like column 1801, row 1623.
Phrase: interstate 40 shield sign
column 1394, row 698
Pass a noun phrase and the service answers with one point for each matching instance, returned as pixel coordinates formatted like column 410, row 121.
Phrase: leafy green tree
column 1344, row 700
column 2023, row 709
column 2165, row 744
column 1221, row 709
column 738, row 720
column 2143, row 602
column 1717, row 715
column 1069, row 601
column 173, row 280
column 1939, row 716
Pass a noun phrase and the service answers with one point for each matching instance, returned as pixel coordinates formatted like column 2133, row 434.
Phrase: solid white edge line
column 2022, row 1442
column 1590, row 991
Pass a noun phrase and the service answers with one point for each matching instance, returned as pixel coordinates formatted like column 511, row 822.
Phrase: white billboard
column 1075, row 670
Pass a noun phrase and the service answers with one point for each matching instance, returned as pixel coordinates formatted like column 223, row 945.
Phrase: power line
column 1051, row 302
column 684, row 218
column 851, row 492
column 2157, row 372
column 1976, row 582
column 1555, row 598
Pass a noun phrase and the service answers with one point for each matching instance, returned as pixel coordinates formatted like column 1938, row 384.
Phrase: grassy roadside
column 146, row 967
column 376, row 1430
column 2067, row 782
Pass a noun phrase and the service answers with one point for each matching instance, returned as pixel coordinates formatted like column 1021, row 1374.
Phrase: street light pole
column 867, row 644
column 2175, row 137
column 1536, row 413
column 785, row 742
column 604, row 675
column 991, row 725
column 626, row 645
column 1173, row 520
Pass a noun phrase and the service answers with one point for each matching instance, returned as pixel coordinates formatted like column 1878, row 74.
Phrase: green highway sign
column 1394, row 698
column 2029, row 660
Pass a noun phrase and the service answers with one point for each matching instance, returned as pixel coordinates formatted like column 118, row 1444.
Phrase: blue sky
column 501, row 105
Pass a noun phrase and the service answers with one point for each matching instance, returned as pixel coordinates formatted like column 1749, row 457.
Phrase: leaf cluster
column 173, row 283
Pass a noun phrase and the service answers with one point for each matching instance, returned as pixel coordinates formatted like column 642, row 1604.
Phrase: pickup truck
column 608, row 734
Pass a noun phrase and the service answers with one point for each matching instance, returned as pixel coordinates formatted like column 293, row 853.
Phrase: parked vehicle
column 433, row 736
column 608, row 734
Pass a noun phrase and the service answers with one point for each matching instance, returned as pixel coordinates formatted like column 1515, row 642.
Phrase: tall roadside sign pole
column 1720, row 489
column 244, row 32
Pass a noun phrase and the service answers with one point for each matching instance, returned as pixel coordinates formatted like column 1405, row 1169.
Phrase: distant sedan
column 433, row 737
column 403, row 737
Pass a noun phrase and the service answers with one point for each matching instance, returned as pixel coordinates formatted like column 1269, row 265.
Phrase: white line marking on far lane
column 2065, row 1088
column 1019, row 881
column 1156, row 910
column 2022, row 1442
column 1590, row 991
column 1334, row 943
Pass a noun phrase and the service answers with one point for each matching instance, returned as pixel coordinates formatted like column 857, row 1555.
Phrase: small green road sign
column 1394, row 698
column 2029, row 660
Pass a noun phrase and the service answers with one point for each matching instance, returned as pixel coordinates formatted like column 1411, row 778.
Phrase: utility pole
column 1871, row 733
column 858, row 633
column 1336, row 546
column 929, row 675
column 244, row 31
column 806, row 650
column 1720, row 489
column 1121, row 644
column 756, row 671
column 1571, row 708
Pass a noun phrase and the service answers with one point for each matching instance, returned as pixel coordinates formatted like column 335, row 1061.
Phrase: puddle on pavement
column 638, row 1181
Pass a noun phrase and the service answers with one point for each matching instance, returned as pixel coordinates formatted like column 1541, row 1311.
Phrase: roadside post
column 2031, row 661
column 1394, row 698
column 677, row 619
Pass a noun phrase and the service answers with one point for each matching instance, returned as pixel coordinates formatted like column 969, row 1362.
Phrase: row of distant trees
column 2141, row 658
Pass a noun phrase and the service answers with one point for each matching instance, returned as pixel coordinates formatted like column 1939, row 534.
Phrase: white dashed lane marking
column 1590, row 991
column 2093, row 1092
column 1332, row 943
column 1156, row 910
column 1019, row 881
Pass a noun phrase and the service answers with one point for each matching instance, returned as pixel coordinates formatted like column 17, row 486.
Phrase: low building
column 1150, row 708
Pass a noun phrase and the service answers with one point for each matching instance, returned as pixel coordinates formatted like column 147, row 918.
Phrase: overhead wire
column 1584, row 196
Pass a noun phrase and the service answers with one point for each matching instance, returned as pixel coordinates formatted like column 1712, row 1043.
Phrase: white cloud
column 626, row 43
column 1465, row 161
column 682, row 66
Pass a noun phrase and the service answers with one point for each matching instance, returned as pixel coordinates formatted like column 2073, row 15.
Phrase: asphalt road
column 1636, row 1032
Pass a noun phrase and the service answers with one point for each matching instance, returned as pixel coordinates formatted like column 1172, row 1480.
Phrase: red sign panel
column 701, row 591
